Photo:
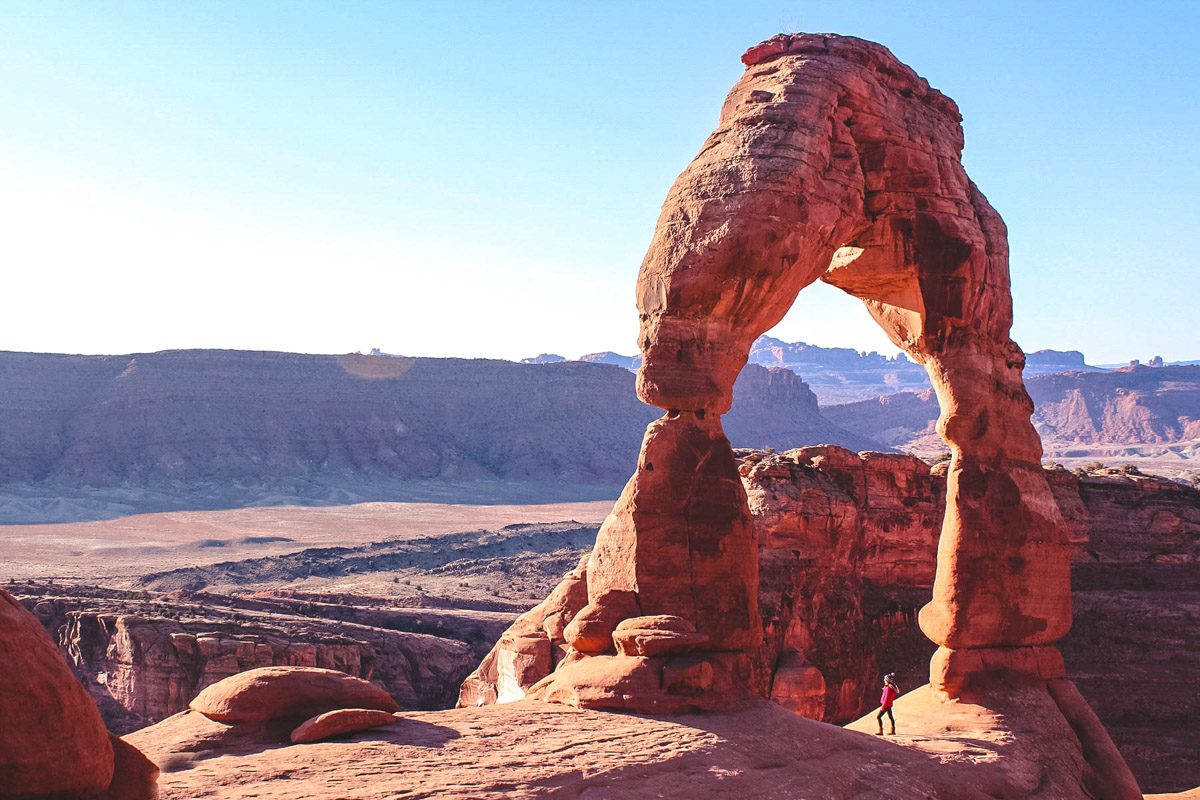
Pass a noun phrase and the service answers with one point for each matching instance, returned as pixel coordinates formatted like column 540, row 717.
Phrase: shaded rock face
column 142, row 668
column 833, row 161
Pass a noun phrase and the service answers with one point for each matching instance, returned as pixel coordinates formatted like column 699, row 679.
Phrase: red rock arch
column 831, row 161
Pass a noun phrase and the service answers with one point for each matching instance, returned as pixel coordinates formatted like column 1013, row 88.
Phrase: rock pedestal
column 674, row 570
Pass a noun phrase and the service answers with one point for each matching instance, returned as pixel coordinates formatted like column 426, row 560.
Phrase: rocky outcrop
column 265, row 707
column 339, row 722
column 142, row 667
column 268, row 693
column 53, row 743
column 847, row 556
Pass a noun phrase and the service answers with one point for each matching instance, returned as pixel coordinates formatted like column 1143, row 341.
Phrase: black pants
column 879, row 718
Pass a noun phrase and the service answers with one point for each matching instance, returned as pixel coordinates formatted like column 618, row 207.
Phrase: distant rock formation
column 1042, row 362
column 1132, row 406
column 608, row 357
column 199, row 426
column 544, row 358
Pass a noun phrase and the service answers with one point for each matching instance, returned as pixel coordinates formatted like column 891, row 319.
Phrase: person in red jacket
column 890, row 692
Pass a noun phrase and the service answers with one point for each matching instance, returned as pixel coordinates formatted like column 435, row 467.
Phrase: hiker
column 890, row 692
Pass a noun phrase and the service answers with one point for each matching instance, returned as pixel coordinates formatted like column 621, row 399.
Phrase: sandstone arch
column 833, row 161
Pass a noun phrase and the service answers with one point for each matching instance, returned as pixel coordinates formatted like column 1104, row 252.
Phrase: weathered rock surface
column 53, row 743
column 269, row 693
column 52, row 740
column 338, row 722
column 833, row 161
column 956, row 751
column 141, row 666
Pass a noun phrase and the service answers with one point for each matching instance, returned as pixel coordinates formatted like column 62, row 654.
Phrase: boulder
column 336, row 723
column 656, row 636
column 272, row 693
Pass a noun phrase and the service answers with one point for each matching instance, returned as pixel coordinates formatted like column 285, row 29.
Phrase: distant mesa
column 609, row 357
column 544, row 358
column 1042, row 362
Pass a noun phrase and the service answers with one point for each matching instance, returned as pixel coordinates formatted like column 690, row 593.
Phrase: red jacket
column 889, row 695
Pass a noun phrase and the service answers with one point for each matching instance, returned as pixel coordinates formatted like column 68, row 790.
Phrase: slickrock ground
column 529, row 749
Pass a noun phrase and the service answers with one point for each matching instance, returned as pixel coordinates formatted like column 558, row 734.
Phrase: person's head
column 889, row 678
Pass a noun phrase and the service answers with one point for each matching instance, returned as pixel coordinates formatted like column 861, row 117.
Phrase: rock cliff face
column 847, row 554
column 141, row 667
column 53, row 743
column 177, row 422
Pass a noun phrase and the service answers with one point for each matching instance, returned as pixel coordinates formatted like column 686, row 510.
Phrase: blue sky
column 482, row 179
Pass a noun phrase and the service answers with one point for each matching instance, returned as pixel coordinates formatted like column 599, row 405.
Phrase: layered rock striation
column 53, row 743
column 141, row 666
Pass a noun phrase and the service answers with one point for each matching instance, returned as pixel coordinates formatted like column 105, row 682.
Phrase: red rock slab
column 1027, row 739
column 534, row 750
column 269, row 693
column 344, row 720
column 52, row 740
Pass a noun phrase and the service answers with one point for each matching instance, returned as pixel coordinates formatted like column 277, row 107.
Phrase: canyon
column 846, row 559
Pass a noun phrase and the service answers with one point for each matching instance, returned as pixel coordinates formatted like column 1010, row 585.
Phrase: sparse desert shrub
column 1130, row 469
column 1095, row 466
column 1194, row 480
column 945, row 456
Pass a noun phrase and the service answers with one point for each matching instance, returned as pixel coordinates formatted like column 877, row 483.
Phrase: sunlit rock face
column 831, row 161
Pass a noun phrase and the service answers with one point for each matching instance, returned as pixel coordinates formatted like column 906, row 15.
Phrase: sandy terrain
column 116, row 552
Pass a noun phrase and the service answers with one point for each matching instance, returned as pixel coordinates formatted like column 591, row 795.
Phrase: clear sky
column 482, row 178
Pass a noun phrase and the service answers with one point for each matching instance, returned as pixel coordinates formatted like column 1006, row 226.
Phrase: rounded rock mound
column 270, row 693
column 52, row 740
